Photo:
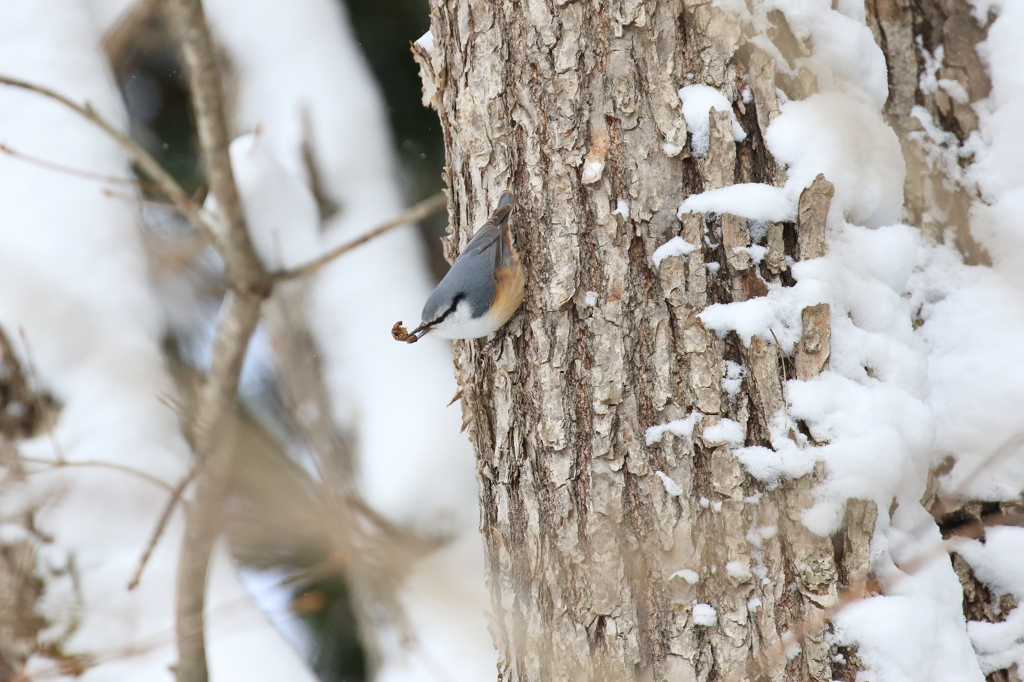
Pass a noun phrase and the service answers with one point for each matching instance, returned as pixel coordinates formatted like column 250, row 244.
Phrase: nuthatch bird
column 481, row 291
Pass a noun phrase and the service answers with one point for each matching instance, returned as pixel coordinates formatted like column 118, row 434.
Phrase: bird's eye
column 451, row 309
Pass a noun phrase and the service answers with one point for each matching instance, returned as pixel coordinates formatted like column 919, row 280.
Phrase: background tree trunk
column 586, row 521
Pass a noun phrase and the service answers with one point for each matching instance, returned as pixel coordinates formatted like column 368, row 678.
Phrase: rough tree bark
column 586, row 521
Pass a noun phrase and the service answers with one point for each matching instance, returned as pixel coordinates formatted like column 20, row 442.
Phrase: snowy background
column 922, row 370
column 112, row 327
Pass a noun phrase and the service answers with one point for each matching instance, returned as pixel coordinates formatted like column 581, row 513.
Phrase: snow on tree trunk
column 935, row 76
column 616, row 551
column 851, row 355
column 939, row 85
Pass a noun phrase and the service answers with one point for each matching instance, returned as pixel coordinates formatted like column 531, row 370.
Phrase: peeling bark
column 587, row 525
column 812, row 213
column 814, row 349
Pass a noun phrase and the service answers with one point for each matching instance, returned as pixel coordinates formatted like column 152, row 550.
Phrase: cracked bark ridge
column 586, row 524
column 814, row 348
column 852, row 545
column 937, row 38
column 981, row 604
column 812, row 214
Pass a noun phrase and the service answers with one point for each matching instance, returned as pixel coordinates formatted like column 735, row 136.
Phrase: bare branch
column 62, row 463
column 412, row 214
column 68, row 170
column 245, row 270
column 249, row 286
column 161, row 524
column 139, row 156
column 214, row 452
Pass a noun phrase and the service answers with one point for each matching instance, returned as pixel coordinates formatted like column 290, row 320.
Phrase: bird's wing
column 492, row 238
column 487, row 241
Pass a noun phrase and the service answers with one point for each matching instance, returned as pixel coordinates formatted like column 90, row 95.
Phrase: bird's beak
column 420, row 331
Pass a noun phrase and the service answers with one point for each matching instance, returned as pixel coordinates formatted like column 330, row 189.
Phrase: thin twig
column 77, row 172
column 139, row 156
column 161, row 524
column 215, row 460
column 61, row 463
column 243, row 266
column 135, row 199
column 412, row 214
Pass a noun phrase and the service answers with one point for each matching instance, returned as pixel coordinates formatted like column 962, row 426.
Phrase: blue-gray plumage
column 484, row 286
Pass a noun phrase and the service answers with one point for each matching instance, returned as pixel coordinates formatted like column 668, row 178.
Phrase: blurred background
column 156, row 93
column 363, row 551
column 274, row 523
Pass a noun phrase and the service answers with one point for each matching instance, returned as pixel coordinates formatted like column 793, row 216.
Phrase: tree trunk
column 613, row 554
column 937, row 37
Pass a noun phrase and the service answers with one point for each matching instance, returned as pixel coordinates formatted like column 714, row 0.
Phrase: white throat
column 461, row 325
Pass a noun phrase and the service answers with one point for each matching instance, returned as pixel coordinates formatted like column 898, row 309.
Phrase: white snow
column 846, row 139
column 671, row 487
column 737, row 570
column 755, row 201
column 996, row 562
column 590, row 298
column 592, row 170
column 732, row 382
column 690, row 576
column 705, row 614
column 677, row 246
column 726, row 431
column 930, row 82
column 280, row 210
column 426, row 41
column 756, row 253
column 754, row 317
column 621, row 208
column 698, row 101
column 678, row 427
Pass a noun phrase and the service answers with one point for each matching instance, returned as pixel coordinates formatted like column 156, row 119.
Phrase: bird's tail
column 505, row 204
